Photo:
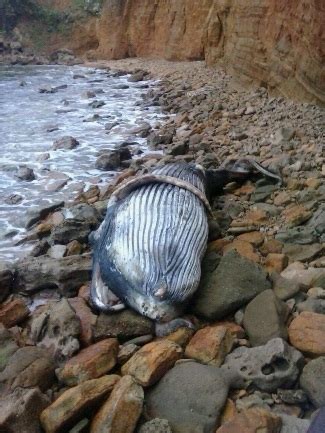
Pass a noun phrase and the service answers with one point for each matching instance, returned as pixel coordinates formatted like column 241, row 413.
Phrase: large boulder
column 230, row 286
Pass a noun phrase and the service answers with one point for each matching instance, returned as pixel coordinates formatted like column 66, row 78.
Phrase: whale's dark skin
column 148, row 250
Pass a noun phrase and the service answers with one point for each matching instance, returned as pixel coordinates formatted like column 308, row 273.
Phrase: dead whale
column 148, row 250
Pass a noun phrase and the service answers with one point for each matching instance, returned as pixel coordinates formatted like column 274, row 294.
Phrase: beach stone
column 28, row 367
column 181, row 336
column 66, row 274
column 276, row 262
column 285, row 289
column 297, row 271
column 307, row 333
column 86, row 317
column 90, row 363
column 8, row 346
column 298, row 254
column 120, row 413
column 312, row 380
column 244, row 248
column 126, row 352
column 254, row 238
column 56, row 327
column 6, row 281
column 231, row 285
column 81, row 427
column 210, row 345
column 137, row 76
column 67, row 142
column 40, row 212
column 57, row 251
column 13, row 312
column 152, row 361
column 190, row 396
column 108, row 161
column 124, row 325
column 156, row 425
column 274, row 365
column 74, row 248
column 292, row 396
column 26, row 173
column 68, row 231
column 319, row 280
column 72, row 403
column 265, row 318
column 296, row 214
column 20, row 410
column 313, row 305
column 292, row 424
column 96, row 104
column 271, row 246
column 254, row 420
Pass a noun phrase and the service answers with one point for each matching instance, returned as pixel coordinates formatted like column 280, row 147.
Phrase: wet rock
column 90, row 363
column 152, row 361
column 143, row 130
column 178, row 149
column 8, row 346
column 66, row 274
column 253, row 420
column 86, row 317
column 40, row 212
column 268, row 367
column 28, row 367
column 156, row 425
column 307, row 333
column 20, row 410
column 13, row 313
column 6, row 281
column 120, row 413
column 97, row 104
column 137, row 76
column 40, row 248
column 70, row 230
column 67, row 143
column 230, row 286
column 25, row 173
column 13, row 199
column 56, row 327
column 265, row 318
column 72, row 404
column 175, row 397
column 124, row 325
column 108, row 161
column 210, row 345
column 312, row 380
column 110, row 125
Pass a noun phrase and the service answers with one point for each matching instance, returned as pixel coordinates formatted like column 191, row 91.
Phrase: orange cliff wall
column 278, row 43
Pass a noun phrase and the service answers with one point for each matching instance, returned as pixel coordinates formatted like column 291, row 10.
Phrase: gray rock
column 6, row 281
column 20, row 411
column 13, row 199
column 8, row 346
column 28, row 367
column 298, row 254
column 265, row 318
column 56, row 328
column 143, row 130
column 285, row 289
column 301, row 235
column 178, row 149
column 268, row 367
column 230, row 286
column 97, row 104
column 67, row 142
column 190, row 396
column 262, row 192
column 292, row 424
column 81, row 427
column 312, row 380
column 137, row 76
column 108, row 161
column 124, row 325
column 57, row 251
column 293, row 396
column 67, row 274
column 312, row 304
column 319, row 280
column 82, row 212
column 156, row 425
column 70, row 230
column 26, row 173
column 40, row 212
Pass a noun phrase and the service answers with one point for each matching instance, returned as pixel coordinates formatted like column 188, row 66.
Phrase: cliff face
column 278, row 43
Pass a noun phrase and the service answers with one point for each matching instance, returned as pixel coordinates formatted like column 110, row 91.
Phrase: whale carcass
column 148, row 250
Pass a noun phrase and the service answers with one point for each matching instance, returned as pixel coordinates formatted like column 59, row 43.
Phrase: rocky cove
column 256, row 360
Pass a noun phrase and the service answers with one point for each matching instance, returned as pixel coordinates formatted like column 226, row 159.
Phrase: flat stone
column 230, row 286
column 244, row 248
column 297, row 271
column 13, row 313
column 210, row 345
column 254, row 238
column 307, row 333
column 265, row 318
column 71, row 405
column 190, row 396
column 268, row 367
column 20, row 411
column 28, row 367
column 312, row 380
column 254, row 420
column 305, row 254
column 124, row 325
column 152, row 361
column 86, row 317
column 120, row 413
column 90, row 363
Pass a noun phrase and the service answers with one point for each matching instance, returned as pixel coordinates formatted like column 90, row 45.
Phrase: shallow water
column 31, row 121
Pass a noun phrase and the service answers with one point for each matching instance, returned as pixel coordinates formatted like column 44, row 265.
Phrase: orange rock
column 276, row 262
column 13, row 313
column 229, row 412
column 271, row 246
column 90, row 363
column 210, row 345
column 313, row 183
column 243, row 248
column 218, row 245
column 307, row 333
column 254, row 238
column 181, row 336
column 122, row 410
column 152, row 361
column 86, row 317
column 84, row 292
column 296, row 215
column 74, row 247
column 72, row 403
column 236, row 330
column 246, row 189
column 282, row 199
column 254, row 420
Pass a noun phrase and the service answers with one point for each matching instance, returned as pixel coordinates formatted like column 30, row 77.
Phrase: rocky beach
column 256, row 359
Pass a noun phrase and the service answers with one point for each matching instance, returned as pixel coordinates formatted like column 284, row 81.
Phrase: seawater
column 31, row 121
